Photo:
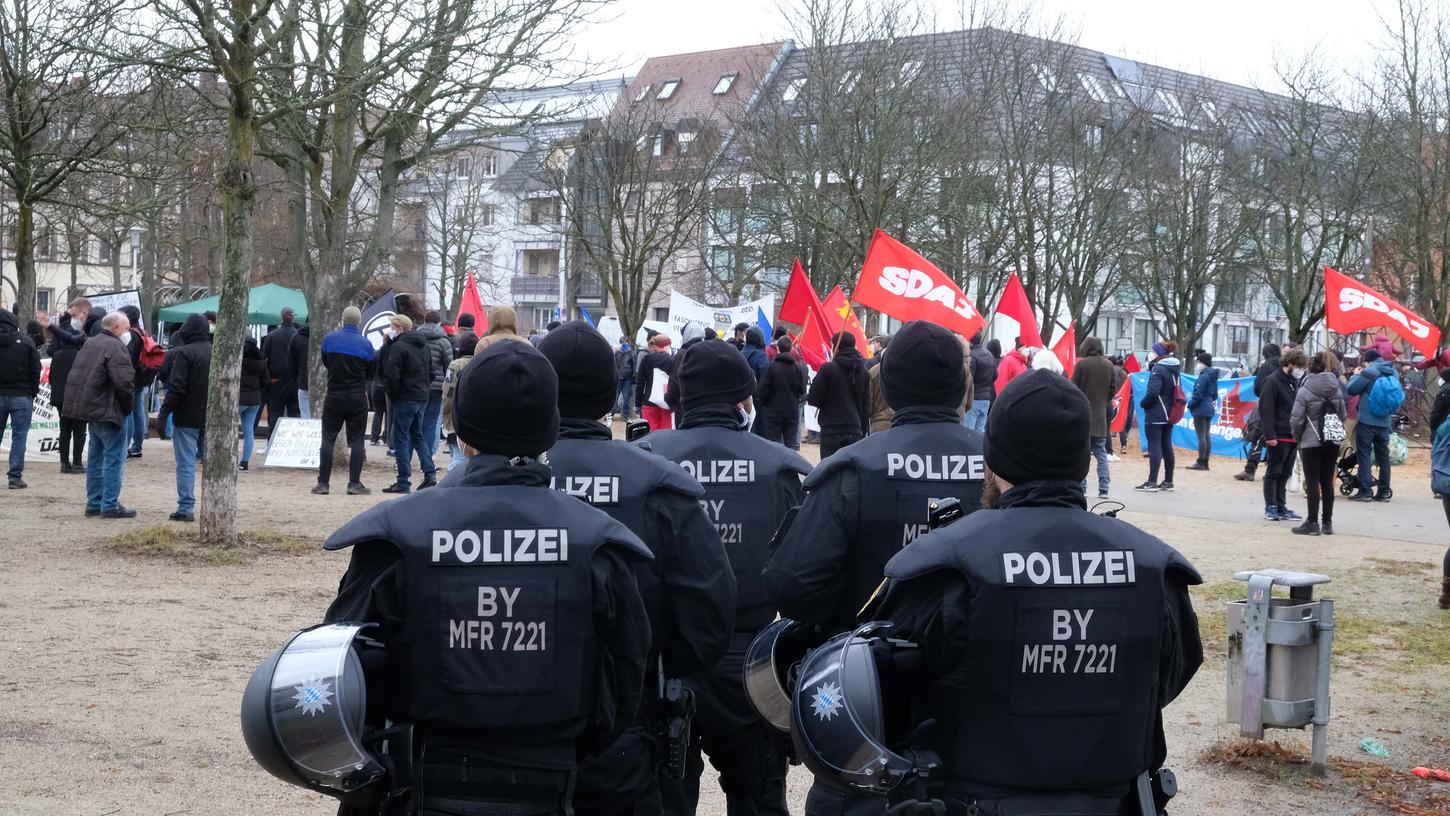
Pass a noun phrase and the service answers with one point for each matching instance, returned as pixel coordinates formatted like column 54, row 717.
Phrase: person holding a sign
column 19, row 385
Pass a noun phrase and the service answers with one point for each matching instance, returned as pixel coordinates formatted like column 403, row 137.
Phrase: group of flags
column 819, row 321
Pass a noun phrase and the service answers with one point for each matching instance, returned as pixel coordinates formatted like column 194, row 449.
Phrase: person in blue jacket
column 1157, row 403
column 1203, row 406
column 1372, row 434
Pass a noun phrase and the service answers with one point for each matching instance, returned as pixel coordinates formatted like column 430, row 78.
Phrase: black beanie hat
column 584, row 361
column 923, row 365
column 1039, row 429
column 1205, row 358
column 507, row 401
column 713, row 372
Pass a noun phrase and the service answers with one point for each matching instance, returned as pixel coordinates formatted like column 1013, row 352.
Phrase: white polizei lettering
column 1091, row 568
column 1012, row 566
column 524, row 554
column 946, row 467
column 1038, row 568
column 1132, row 569
column 466, row 545
column 893, row 463
column 1090, row 575
column 721, row 471
column 592, row 489
column 442, row 543
column 526, row 546
column 1113, row 572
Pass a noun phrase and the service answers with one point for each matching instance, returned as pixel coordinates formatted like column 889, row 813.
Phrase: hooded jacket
column 254, row 374
column 881, row 412
column 754, row 351
column 440, row 354
column 464, row 338
column 1361, row 385
column 450, row 382
column 503, row 324
column 102, row 383
column 782, row 386
column 1012, row 364
column 276, row 348
column 1318, row 393
column 65, row 343
column 19, row 360
column 1267, row 367
column 350, row 362
column 1276, row 404
column 1383, row 345
column 1159, row 396
column 406, row 372
column 1204, row 400
column 189, row 371
column 297, row 356
column 984, row 373
column 1095, row 377
column 841, row 393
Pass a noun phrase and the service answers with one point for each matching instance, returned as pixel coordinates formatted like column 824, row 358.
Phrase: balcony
column 526, row 289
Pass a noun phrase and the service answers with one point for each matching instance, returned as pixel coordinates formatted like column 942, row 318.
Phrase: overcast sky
column 1232, row 40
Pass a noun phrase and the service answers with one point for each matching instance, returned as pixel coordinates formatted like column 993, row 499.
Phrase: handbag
column 657, row 387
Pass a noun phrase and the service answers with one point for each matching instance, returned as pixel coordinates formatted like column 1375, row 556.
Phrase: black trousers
column 350, row 410
column 382, row 421
column 72, row 440
column 1319, row 465
column 623, row 781
column 281, row 402
column 1276, row 473
column 1254, row 456
column 832, row 442
column 783, row 429
column 749, row 754
column 1205, row 446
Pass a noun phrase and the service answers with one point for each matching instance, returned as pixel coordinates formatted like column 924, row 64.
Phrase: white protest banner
column 722, row 319
column 43, row 439
column 295, row 443
column 113, row 301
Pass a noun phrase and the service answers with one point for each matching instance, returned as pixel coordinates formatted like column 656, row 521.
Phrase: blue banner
column 1236, row 398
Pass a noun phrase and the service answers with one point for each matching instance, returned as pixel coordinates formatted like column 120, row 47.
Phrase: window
column 723, row 86
column 1210, row 110
column 485, row 215
column 848, row 82
column 1094, row 87
column 910, row 70
column 531, row 262
column 643, row 92
column 43, row 299
column 1093, row 135
column 659, row 146
column 1213, row 349
column 662, row 314
column 1275, row 308
column 683, row 139
column 1170, row 103
column 106, row 251
column 722, row 258
column 1252, row 123
column 488, row 164
column 1143, row 338
column 793, row 89
column 1046, row 77
column 543, row 211
column 1238, row 339
column 461, row 166
column 667, row 90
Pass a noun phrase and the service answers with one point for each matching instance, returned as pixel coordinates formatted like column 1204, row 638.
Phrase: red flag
column 1130, row 364
column 800, row 298
column 1124, row 398
column 814, row 340
column 1014, row 304
column 1350, row 306
column 1066, row 349
column 897, row 281
column 841, row 318
column 472, row 304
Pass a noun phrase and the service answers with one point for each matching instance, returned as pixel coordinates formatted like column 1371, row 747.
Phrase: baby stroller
column 1348, row 474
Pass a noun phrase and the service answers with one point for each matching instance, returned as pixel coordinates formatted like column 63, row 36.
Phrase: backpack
column 1251, row 424
column 1331, row 429
column 1176, row 408
column 1386, row 396
column 152, row 356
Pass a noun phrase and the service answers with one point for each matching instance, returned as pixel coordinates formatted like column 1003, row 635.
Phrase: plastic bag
column 1399, row 450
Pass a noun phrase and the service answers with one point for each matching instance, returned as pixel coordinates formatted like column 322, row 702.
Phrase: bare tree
column 459, row 212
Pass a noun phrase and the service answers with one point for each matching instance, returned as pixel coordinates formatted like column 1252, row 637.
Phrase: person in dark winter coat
column 19, row 386
column 1276, row 407
column 465, row 336
column 67, row 335
column 984, row 384
column 282, row 390
column 186, row 396
column 101, row 387
column 1271, row 352
column 754, row 352
column 1441, row 409
column 626, row 359
column 1203, row 407
column 249, row 402
column 348, row 358
column 658, row 358
column 440, row 354
column 1096, row 378
column 297, row 357
column 135, row 341
column 841, row 393
column 778, row 397
column 1319, row 396
column 409, row 377
column 1165, row 370
column 1372, row 432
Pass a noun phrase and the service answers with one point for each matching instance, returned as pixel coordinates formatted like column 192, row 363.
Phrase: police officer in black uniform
column 870, row 499
column 688, row 588
column 750, row 484
column 1052, row 636
column 516, row 636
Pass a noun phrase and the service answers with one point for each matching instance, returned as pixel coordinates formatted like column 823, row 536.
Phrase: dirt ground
column 122, row 671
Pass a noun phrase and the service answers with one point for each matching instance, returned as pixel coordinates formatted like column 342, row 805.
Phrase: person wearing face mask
column 1320, row 397
column 750, row 485
column 1276, row 405
column 1157, row 405
column 1203, row 406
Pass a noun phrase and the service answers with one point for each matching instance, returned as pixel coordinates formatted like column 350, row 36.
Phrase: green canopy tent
column 264, row 306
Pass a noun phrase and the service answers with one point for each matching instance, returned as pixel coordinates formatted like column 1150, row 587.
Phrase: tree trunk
column 24, row 261
column 238, row 191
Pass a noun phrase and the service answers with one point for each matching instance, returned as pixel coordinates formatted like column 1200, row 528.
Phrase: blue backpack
column 1386, row 395
column 1440, row 460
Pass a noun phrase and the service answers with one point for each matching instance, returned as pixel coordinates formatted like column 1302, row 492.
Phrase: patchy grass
column 1402, row 569
column 175, row 542
column 1396, row 791
column 157, row 540
column 1208, row 602
column 1423, row 644
column 271, row 540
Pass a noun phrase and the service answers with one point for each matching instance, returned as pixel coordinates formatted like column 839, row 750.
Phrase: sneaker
column 1381, row 497
column 1102, row 494
column 1271, row 513
column 133, row 454
column 1113, row 457
column 1362, row 496
column 1289, row 515
column 18, row 484
column 243, row 466
column 1326, row 528
column 320, row 490
column 357, row 489
column 1243, row 476
column 180, row 516
column 1196, row 466
column 431, row 481
column 1166, row 486
column 121, row 511
column 392, row 453
column 398, row 487
column 92, row 512
column 1147, row 487
column 1307, row 528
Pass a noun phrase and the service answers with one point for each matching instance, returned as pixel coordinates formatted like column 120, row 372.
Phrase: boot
column 1445, row 592
column 1307, row 528
column 1244, row 476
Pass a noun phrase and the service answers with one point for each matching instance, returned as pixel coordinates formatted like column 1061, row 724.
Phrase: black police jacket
column 688, row 588
column 510, row 613
column 1051, row 642
column 863, row 505
column 750, row 485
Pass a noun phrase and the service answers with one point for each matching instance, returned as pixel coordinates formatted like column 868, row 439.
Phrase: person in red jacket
column 1014, row 362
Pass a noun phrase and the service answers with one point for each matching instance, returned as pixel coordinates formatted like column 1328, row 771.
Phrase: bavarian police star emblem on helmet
column 826, row 702
column 313, row 696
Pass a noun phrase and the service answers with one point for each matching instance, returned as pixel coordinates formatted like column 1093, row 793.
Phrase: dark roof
column 698, row 75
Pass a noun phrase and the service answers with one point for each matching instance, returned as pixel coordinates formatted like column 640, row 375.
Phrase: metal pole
column 1321, row 693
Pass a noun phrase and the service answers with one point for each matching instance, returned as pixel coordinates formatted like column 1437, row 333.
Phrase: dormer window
column 667, row 90
column 723, row 86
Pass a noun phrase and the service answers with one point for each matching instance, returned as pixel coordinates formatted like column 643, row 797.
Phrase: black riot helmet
column 838, row 717
column 303, row 711
column 768, row 663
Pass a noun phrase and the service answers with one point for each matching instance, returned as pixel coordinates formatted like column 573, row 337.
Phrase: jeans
column 350, row 411
column 1319, row 464
column 105, row 465
column 249, row 429
column 408, row 437
column 1205, row 445
column 456, row 457
column 976, row 417
column 187, row 446
column 433, row 422
column 1277, row 471
column 623, row 396
column 304, row 404
column 1160, row 451
column 1100, row 453
column 1372, row 442
column 17, row 410
column 138, row 420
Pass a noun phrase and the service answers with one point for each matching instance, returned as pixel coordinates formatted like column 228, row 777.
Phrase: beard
column 991, row 491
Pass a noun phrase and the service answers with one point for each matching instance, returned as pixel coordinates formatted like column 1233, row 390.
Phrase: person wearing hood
column 688, row 588
column 282, row 388
column 1266, row 369
column 503, row 325
column 67, row 334
column 297, row 363
column 657, row 358
column 841, row 392
column 440, row 354
column 1276, row 406
column 187, row 376
column 408, row 377
column 1013, row 364
column 1157, row 403
column 1203, row 406
column 1384, row 346
column 465, row 336
column 350, row 361
column 249, row 399
column 778, row 396
column 1372, row 433
column 753, row 349
column 1319, row 397
column 1098, row 380
column 691, row 335
column 19, row 386
column 626, row 361
column 984, row 384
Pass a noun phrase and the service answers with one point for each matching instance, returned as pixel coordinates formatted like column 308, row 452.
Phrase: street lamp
column 136, row 231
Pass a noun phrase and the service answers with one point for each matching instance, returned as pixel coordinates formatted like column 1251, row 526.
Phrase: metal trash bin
column 1279, row 657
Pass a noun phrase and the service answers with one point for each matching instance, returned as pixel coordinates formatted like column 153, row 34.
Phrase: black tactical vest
column 901, row 471
column 1060, row 688
column 740, row 474
column 498, row 632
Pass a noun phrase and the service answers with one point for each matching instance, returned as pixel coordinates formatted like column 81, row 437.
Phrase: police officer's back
column 1053, row 636
column 870, row 499
column 750, row 484
column 688, row 588
column 514, row 628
